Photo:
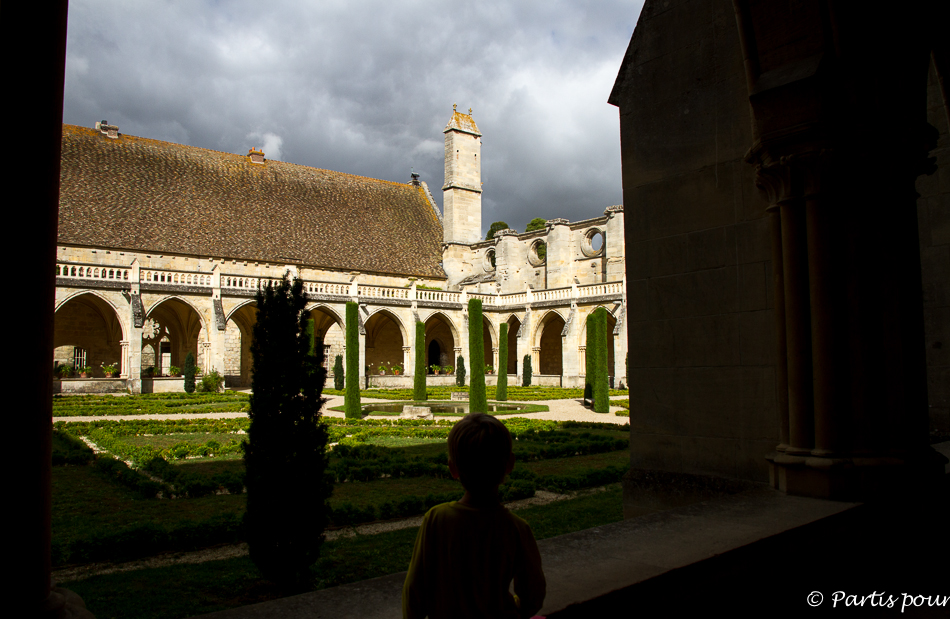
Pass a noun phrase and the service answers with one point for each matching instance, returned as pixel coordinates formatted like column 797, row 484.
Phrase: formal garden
column 275, row 479
column 185, row 491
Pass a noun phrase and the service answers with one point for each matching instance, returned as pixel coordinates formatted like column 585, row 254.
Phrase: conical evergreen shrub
column 285, row 453
column 419, row 374
column 189, row 372
column 477, row 395
column 501, row 390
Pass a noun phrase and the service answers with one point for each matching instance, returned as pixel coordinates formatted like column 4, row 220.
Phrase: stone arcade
column 161, row 248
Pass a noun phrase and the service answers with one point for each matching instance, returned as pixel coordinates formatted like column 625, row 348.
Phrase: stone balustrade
column 597, row 290
column 487, row 299
column 552, row 294
column 241, row 282
column 92, row 272
column 383, row 292
column 440, row 296
column 326, row 288
column 519, row 298
column 180, row 278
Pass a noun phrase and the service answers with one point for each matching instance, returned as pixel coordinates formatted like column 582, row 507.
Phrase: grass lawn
column 186, row 590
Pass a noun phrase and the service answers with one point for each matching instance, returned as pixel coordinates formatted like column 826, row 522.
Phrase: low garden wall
column 165, row 384
column 90, row 385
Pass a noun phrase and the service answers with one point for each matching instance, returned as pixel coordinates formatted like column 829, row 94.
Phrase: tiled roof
column 146, row 195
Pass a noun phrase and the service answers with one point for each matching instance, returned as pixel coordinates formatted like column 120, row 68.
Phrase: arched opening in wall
column 433, row 356
column 87, row 324
column 440, row 332
column 384, row 343
column 328, row 336
column 487, row 337
column 238, row 337
column 177, row 325
column 513, row 326
column 593, row 243
column 550, row 357
column 537, row 253
column 611, row 325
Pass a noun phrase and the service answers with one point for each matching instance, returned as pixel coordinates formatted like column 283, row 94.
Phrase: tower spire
column 462, row 192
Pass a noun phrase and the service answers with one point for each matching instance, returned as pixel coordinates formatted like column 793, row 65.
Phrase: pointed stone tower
column 462, row 192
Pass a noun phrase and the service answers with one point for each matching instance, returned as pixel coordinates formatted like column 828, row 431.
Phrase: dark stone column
column 839, row 137
column 34, row 70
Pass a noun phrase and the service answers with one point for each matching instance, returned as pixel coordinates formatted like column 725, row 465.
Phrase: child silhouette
column 468, row 552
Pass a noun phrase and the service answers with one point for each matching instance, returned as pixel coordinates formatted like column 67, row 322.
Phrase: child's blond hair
column 480, row 448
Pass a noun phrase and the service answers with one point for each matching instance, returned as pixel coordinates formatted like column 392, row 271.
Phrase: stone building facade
column 161, row 248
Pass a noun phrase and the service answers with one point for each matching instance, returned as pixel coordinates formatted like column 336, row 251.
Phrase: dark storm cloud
column 367, row 87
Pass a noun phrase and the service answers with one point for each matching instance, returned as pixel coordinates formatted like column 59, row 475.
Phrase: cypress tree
column 477, row 396
column 501, row 391
column 189, row 372
column 460, row 371
column 419, row 378
column 589, row 361
column 351, row 402
column 338, row 374
column 285, row 453
column 526, row 371
column 600, row 386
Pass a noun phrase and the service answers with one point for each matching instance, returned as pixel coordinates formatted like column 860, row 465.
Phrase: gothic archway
column 87, row 332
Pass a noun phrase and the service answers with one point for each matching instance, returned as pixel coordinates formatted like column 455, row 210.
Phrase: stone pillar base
column 854, row 478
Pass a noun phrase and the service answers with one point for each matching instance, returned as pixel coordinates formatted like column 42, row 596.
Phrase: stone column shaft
column 797, row 328
column 781, row 349
column 826, row 328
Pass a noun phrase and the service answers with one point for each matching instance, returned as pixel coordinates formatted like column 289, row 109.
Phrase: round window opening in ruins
column 593, row 244
column 537, row 253
column 489, row 262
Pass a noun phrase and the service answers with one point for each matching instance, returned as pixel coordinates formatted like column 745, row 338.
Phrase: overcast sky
column 367, row 87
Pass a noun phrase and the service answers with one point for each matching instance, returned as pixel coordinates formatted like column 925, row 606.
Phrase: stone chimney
column 415, row 179
column 110, row 131
column 256, row 156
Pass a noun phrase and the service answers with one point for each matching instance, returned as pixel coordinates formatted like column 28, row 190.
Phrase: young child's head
column 480, row 452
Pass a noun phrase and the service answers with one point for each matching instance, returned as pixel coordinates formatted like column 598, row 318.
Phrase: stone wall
column 702, row 390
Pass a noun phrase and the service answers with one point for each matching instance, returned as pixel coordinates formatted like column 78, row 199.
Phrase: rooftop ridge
column 237, row 156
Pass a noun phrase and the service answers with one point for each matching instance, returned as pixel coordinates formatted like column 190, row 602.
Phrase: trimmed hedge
column 501, row 390
column 119, row 472
column 352, row 400
column 600, row 384
column 419, row 373
column 69, row 449
column 338, row 374
column 148, row 404
column 143, row 539
column 526, row 375
column 189, row 372
column 460, row 372
column 477, row 397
